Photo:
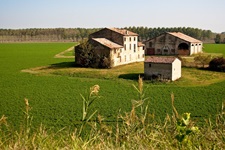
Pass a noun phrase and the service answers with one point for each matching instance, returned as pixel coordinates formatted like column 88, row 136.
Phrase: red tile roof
column 107, row 43
column 123, row 32
column 184, row 37
column 163, row 59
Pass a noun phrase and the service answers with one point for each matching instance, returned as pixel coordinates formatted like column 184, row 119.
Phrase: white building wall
column 176, row 69
column 195, row 48
column 132, row 53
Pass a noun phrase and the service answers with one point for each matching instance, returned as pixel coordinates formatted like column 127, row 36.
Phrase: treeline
column 148, row 33
column 45, row 35
column 77, row 34
column 220, row 38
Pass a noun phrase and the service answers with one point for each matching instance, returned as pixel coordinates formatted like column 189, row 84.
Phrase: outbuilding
column 165, row 68
column 173, row 43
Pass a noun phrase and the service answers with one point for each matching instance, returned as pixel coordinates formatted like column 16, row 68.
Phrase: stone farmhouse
column 113, row 46
column 173, row 43
column 168, row 68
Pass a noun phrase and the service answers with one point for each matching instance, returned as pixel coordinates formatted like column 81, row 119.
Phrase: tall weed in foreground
column 87, row 102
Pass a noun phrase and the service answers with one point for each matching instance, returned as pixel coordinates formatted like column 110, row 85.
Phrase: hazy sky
column 203, row 14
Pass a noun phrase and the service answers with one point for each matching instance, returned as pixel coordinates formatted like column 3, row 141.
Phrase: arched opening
column 183, row 49
column 183, row 46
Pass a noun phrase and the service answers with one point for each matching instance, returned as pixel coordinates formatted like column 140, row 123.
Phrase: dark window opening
column 183, row 46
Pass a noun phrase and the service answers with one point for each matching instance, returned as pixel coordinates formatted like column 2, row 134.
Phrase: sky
column 202, row 14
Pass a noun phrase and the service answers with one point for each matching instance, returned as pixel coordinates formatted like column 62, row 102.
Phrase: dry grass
column 190, row 76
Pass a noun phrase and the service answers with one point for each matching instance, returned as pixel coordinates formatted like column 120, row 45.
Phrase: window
column 114, row 51
column 134, row 39
column 125, row 47
column 200, row 44
column 130, row 38
column 121, row 50
column 124, row 39
column 130, row 46
column 150, row 65
column 143, row 55
column 150, row 44
column 134, row 47
column 165, row 50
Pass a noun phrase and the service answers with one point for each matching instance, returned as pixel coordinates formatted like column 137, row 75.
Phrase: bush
column 217, row 64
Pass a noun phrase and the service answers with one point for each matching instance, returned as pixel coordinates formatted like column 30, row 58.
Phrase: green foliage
column 86, row 57
column 218, row 39
column 217, row 64
column 202, row 59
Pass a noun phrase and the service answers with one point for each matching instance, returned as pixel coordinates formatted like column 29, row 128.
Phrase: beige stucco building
column 173, row 43
column 162, row 68
column 119, row 46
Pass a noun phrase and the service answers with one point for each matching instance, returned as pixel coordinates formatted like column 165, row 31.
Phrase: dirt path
column 61, row 54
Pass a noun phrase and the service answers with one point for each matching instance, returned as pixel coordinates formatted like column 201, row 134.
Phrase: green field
column 54, row 91
column 214, row 48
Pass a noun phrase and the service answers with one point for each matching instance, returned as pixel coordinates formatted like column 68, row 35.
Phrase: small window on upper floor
column 200, row 44
column 134, row 38
column 124, row 39
column 130, row 38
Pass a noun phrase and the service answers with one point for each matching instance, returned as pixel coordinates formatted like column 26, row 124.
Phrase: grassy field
column 54, row 87
column 214, row 48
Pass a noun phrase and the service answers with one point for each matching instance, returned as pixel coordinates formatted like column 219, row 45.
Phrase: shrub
column 217, row 64
column 202, row 59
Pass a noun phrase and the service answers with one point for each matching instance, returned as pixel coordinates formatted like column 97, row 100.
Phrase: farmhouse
column 111, row 47
column 162, row 68
column 173, row 43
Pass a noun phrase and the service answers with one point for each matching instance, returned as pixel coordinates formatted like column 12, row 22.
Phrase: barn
column 156, row 67
column 173, row 43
